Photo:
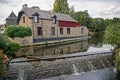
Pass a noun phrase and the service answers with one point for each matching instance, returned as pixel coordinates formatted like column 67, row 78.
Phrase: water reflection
column 54, row 50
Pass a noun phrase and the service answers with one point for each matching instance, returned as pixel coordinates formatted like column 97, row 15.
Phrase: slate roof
column 12, row 16
column 46, row 14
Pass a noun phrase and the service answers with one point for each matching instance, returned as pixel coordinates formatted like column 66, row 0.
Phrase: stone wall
column 26, row 41
column 28, row 22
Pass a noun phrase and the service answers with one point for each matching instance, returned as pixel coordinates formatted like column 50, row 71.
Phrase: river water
column 97, row 66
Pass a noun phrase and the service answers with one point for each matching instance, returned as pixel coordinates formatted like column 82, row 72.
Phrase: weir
column 46, row 69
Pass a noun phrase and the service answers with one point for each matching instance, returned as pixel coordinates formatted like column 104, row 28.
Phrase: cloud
column 4, row 1
column 101, row 8
column 96, row 8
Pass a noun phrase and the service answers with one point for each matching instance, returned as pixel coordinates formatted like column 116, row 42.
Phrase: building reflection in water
column 55, row 50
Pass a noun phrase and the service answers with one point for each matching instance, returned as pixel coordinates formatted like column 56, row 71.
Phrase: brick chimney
column 24, row 6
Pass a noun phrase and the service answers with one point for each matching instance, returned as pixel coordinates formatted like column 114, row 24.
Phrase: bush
column 12, row 48
column 9, row 48
column 18, row 31
column 3, row 41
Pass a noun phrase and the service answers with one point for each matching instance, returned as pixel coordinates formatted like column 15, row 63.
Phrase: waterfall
column 91, row 67
column 102, row 64
column 21, row 74
column 75, row 70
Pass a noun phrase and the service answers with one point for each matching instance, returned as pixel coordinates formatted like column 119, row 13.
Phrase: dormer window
column 54, row 19
column 36, row 17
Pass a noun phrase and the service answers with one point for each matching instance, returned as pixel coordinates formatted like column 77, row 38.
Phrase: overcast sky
column 96, row 8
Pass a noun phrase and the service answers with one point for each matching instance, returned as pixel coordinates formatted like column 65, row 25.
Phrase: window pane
column 39, row 30
column 52, row 31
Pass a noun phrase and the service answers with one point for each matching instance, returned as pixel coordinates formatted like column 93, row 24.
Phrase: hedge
column 18, row 31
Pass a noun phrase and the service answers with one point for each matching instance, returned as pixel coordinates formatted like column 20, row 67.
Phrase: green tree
column 71, row 11
column 83, row 18
column 61, row 6
column 98, row 24
column 112, row 36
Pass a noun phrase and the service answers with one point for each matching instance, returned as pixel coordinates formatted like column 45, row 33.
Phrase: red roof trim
column 68, row 24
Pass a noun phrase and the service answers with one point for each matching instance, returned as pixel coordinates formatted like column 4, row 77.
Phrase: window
column 81, row 30
column 52, row 31
column 35, row 18
column 68, row 30
column 40, row 31
column 61, row 30
column 23, row 19
column 54, row 19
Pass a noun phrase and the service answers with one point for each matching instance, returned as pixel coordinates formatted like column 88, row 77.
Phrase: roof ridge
column 44, row 14
column 12, row 15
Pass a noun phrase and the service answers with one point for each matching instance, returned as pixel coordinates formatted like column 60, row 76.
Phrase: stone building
column 11, row 19
column 48, row 26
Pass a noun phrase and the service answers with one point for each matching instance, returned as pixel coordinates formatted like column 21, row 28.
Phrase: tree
column 112, row 36
column 61, row 6
column 71, row 11
column 98, row 24
column 83, row 18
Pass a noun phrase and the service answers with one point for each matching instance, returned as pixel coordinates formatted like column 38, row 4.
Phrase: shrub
column 9, row 48
column 12, row 48
column 3, row 41
column 18, row 31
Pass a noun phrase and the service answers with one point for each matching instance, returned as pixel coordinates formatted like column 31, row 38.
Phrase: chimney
column 35, row 7
column 24, row 6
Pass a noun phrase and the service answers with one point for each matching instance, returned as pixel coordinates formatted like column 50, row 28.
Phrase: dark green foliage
column 9, row 48
column 98, row 24
column 18, row 31
column 112, row 34
column 83, row 18
column 3, row 42
column 1, row 61
column 61, row 6
column 97, row 38
column 12, row 48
